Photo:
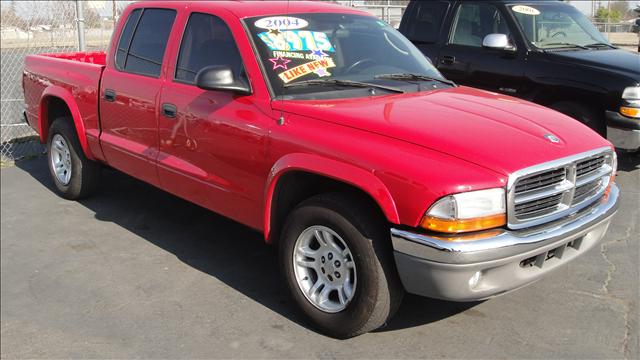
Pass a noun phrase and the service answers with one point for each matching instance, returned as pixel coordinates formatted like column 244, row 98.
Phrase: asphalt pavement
column 135, row 272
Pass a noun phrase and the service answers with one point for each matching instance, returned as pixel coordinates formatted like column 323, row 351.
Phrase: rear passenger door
column 464, row 60
column 130, row 92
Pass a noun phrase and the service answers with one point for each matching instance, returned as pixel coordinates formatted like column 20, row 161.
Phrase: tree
column 604, row 15
column 8, row 17
column 91, row 18
column 621, row 6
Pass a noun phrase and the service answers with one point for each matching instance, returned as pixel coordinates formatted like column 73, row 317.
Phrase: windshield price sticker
column 281, row 22
column 318, row 67
column 296, row 40
column 313, row 55
column 527, row 10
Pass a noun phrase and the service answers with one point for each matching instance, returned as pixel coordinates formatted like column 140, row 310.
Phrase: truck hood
column 494, row 131
column 622, row 62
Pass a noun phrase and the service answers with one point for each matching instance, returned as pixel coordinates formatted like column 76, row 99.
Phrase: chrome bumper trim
column 507, row 243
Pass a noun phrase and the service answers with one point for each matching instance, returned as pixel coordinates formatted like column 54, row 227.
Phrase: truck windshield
column 556, row 25
column 297, row 48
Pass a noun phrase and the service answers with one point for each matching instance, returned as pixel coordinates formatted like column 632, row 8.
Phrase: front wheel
column 336, row 260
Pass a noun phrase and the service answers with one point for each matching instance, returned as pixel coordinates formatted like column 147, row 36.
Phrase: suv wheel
column 337, row 262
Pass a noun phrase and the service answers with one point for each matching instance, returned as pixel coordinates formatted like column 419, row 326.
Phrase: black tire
column 583, row 113
column 378, row 290
column 85, row 173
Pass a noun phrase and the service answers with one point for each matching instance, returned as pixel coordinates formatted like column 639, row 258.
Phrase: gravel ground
column 135, row 272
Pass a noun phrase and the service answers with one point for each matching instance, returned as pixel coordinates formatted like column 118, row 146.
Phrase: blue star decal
column 318, row 53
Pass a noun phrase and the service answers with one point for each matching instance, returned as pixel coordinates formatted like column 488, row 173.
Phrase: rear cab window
column 143, row 41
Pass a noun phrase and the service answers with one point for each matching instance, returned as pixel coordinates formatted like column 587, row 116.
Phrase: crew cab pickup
column 545, row 51
column 327, row 130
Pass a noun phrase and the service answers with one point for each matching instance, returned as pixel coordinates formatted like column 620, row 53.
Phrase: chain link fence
column 33, row 27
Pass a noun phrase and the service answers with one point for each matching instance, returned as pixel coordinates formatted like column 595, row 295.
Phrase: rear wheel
column 74, row 176
column 583, row 113
column 337, row 262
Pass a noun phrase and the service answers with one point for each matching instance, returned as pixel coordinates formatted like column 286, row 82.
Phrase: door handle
column 448, row 59
column 169, row 110
column 109, row 95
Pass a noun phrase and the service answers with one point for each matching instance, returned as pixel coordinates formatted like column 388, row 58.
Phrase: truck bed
column 74, row 75
column 93, row 57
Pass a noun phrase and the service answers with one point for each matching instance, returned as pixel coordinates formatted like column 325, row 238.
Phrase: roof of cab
column 244, row 9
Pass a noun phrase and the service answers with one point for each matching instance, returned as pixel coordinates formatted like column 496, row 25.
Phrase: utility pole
column 80, row 25
column 608, row 17
column 113, row 2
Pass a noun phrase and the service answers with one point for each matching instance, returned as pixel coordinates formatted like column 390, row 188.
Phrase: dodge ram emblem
column 554, row 139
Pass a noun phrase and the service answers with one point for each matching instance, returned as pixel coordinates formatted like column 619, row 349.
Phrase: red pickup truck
column 325, row 129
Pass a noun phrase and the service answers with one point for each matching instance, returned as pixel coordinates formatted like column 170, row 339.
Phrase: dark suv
column 547, row 52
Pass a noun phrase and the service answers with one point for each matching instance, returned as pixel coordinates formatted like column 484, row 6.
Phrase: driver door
column 464, row 60
column 211, row 143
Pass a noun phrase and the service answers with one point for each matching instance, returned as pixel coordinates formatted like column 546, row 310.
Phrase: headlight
column 631, row 108
column 469, row 211
column 631, row 93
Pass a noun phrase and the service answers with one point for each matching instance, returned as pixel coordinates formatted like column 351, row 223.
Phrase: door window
column 142, row 53
column 207, row 41
column 427, row 21
column 474, row 21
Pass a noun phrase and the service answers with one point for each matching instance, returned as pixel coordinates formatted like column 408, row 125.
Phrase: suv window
column 474, row 21
column 207, row 41
column 427, row 21
column 146, row 47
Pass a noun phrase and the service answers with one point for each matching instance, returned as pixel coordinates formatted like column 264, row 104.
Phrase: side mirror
column 497, row 42
column 221, row 78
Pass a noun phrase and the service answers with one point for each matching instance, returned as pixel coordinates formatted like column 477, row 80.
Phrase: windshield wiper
column 337, row 82
column 566, row 45
column 599, row 45
column 414, row 77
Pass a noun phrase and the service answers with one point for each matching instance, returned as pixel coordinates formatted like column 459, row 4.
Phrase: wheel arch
column 57, row 101
column 296, row 177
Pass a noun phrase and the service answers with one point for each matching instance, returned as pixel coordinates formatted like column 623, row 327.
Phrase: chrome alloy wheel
column 60, row 156
column 324, row 269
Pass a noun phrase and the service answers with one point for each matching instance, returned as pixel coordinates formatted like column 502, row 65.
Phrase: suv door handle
column 448, row 59
column 109, row 95
column 169, row 110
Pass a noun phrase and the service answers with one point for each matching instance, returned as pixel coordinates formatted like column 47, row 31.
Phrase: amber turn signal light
column 456, row 226
column 630, row 112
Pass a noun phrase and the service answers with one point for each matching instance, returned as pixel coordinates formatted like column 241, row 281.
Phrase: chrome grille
column 549, row 191
column 588, row 166
column 538, row 181
column 586, row 191
column 538, row 207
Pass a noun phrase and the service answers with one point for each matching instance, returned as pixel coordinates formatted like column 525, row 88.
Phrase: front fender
column 336, row 170
column 44, row 122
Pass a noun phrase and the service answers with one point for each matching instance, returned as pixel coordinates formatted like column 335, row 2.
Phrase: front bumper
column 623, row 132
column 479, row 269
